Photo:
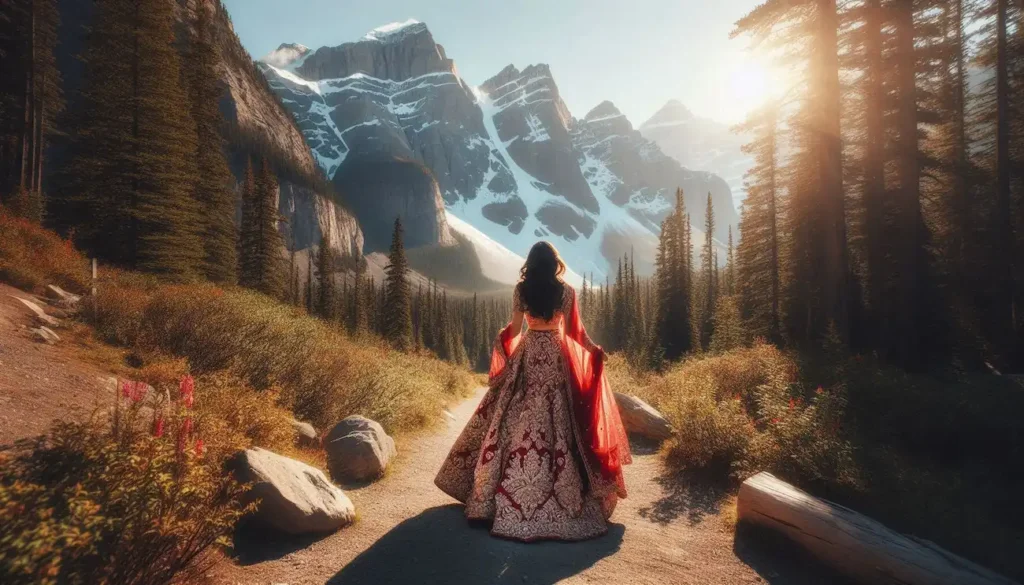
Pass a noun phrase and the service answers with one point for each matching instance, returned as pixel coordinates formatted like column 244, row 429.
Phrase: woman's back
column 559, row 303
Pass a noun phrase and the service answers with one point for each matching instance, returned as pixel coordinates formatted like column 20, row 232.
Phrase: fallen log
column 855, row 545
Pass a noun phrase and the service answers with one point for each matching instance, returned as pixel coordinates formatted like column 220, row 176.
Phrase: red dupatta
column 597, row 415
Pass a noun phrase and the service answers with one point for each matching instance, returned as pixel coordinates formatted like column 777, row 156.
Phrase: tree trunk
column 37, row 174
column 909, row 223
column 874, row 167
column 775, row 331
column 29, row 102
column 961, row 201
column 830, row 170
column 1006, row 311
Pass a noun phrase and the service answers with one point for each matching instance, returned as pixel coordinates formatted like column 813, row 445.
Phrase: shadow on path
column 779, row 561
column 256, row 543
column 440, row 547
column 689, row 494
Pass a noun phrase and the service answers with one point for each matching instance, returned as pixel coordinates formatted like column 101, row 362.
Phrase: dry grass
column 251, row 353
column 745, row 411
column 318, row 371
column 32, row 257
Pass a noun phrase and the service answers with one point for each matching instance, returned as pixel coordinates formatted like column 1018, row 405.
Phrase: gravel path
column 40, row 383
column 409, row 532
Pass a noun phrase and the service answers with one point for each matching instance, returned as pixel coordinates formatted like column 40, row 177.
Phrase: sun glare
column 748, row 85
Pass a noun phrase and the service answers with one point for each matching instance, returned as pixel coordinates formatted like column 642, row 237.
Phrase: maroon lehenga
column 542, row 455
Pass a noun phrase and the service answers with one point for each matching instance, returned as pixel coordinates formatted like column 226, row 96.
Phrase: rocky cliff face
column 399, row 132
column 635, row 175
column 699, row 143
column 257, row 112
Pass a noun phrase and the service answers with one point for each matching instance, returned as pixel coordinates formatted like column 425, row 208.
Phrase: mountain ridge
column 508, row 156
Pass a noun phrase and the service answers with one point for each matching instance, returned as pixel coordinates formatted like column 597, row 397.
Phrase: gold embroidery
column 517, row 461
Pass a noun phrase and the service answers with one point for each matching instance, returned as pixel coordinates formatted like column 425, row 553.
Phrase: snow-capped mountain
column 700, row 143
column 399, row 132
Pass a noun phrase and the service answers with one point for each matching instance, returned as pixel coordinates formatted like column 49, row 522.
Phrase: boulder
column 62, row 296
column 305, row 434
column 39, row 312
column 642, row 419
column 44, row 334
column 358, row 449
column 292, row 496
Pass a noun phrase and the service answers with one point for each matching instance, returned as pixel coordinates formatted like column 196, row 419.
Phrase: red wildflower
column 134, row 391
column 187, row 389
column 775, row 421
column 736, row 397
column 791, row 404
column 819, row 390
column 199, row 448
column 158, row 426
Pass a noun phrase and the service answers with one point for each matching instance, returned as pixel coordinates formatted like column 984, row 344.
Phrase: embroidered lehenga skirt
column 519, row 463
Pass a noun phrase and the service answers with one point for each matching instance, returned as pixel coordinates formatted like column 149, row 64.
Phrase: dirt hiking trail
column 409, row 532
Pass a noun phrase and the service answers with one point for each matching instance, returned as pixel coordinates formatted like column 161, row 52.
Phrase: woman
column 542, row 456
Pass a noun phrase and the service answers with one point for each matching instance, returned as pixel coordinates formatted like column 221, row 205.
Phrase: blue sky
column 636, row 53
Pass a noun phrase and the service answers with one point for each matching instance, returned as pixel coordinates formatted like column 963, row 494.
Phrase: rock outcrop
column 292, row 496
column 358, row 450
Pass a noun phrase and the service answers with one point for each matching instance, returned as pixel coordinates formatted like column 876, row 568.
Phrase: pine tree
column 759, row 254
column 260, row 257
column 805, row 32
column 708, row 268
column 728, row 332
column 31, row 97
column 397, row 309
column 326, row 298
column 214, row 187
column 166, row 213
column 730, row 268
column 130, row 177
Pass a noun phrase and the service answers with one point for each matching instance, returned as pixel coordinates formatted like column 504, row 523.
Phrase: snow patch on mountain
column 498, row 262
column 394, row 31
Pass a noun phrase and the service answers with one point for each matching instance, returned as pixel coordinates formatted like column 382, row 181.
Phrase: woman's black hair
column 541, row 286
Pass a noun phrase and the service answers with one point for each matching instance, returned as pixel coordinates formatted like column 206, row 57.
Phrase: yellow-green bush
column 115, row 499
column 32, row 257
column 322, row 373
column 745, row 411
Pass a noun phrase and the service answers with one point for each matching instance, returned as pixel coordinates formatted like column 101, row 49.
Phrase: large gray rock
column 38, row 311
column 44, row 334
column 62, row 297
column 358, row 449
column 292, row 496
column 305, row 434
column 642, row 419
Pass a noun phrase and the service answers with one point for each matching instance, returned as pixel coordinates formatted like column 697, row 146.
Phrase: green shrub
column 745, row 411
column 132, row 497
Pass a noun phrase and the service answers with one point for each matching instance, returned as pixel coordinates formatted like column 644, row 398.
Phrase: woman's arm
column 517, row 321
column 517, row 311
